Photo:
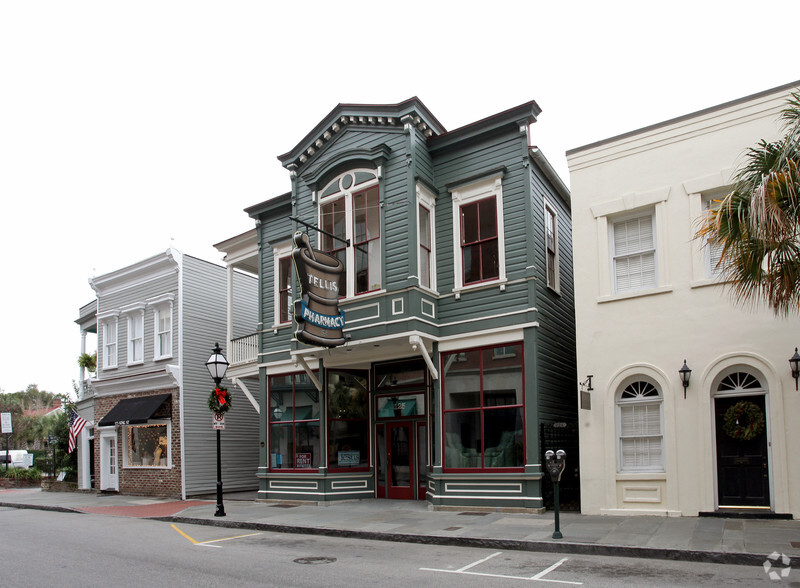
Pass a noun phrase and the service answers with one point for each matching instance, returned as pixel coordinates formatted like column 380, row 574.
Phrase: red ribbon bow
column 221, row 395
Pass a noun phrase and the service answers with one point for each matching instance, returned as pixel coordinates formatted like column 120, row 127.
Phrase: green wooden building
column 458, row 344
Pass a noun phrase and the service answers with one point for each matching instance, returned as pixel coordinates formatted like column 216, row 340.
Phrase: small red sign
column 303, row 460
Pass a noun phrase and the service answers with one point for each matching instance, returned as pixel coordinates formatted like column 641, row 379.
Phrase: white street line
column 537, row 578
column 226, row 539
column 548, row 570
column 502, row 576
column 480, row 561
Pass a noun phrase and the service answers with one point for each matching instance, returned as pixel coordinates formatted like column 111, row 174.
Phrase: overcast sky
column 127, row 127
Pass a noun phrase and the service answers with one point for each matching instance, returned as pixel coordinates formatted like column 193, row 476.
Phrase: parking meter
column 555, row 462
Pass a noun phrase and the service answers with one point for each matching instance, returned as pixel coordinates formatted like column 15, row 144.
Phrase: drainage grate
column 453, row 528
column 283, row 505
column 315, row 560
column 795, row 544
column 474, row 514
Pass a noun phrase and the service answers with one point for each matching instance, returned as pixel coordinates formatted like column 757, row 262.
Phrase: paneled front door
column 109, row 474
column 742, row 464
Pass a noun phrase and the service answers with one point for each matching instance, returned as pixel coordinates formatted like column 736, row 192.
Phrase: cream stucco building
column 647, row 300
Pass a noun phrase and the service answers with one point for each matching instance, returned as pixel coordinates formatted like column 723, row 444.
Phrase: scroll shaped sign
column 555, row 463
column 316, row 312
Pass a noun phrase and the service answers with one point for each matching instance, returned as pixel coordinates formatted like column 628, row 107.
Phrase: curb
column 47, row 507
column 717, row 557
column 734, row 558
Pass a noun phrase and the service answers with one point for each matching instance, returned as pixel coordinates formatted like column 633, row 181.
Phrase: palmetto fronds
column 757, row 223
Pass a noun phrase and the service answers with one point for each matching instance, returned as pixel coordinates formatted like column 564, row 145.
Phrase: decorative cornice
column 363, row 116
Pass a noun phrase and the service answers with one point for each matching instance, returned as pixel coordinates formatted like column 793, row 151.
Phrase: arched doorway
column 740, row 417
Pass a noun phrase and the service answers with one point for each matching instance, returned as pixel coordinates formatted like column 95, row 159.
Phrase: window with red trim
column 479, row 242
column 484, row 401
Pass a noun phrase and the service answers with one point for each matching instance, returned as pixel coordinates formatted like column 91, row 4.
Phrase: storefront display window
column 294, row 422
column 348, row 428
column 147, row 445
column 483, row 408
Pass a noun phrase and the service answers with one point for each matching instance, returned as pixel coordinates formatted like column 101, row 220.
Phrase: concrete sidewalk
column 707, row 539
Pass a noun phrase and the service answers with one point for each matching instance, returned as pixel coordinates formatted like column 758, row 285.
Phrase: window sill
column 706, row 282
column 133, row 363
column 162, row 358
column 110, row 367
column 364, row 296
column 641, row 476
column 458, row 290
column 634, row 294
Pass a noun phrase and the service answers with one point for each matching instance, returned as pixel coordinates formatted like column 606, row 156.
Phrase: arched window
column 739, row 382
column 350, row 209
column 640, row 426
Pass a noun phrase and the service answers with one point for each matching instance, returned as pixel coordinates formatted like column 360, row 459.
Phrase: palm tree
column 756, row 224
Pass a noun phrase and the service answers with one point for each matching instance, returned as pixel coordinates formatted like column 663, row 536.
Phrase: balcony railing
column 244, row 349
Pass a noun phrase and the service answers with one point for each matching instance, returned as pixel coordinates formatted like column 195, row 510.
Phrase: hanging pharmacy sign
column 316, row 313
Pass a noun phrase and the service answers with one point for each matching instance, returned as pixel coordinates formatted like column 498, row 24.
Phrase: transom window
column 350, row 210
column 739, row 382
column 641, row 439
column 634, row 253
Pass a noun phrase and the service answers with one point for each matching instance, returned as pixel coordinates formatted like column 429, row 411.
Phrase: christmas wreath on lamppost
column 219, row 401
column 743, row 421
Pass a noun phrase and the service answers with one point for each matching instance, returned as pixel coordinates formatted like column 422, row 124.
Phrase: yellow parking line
column 229, row 538
column 206, row 543
column 184, row 534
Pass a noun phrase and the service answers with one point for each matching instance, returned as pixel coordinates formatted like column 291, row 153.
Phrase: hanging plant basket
column 219, row 400
column 743, row 421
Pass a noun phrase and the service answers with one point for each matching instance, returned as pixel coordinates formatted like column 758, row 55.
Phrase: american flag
column 76, row 424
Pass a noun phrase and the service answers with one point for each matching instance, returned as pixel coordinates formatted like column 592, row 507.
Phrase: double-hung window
column 551, row 245
column 641, row 439
column 282, row 260
column 478, row 232
column 713, row 251
column 136, row 335
column 110, row 343
column 426, row 260
column 162, row 325
column 350, row 210
column 633, row 243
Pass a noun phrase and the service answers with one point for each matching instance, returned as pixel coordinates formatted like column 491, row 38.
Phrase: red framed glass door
column 400, row 474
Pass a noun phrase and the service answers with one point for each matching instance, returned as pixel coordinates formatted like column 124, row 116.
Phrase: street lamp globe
column 217, row 365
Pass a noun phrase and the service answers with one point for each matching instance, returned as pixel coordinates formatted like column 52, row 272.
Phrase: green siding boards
column 404, row 156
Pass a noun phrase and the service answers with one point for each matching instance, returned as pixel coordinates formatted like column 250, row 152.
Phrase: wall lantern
column 277, row 413
column 685, row 373
column 795, row 363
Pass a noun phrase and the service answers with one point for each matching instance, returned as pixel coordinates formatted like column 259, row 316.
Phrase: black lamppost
column 794, row 361
column 217, row 366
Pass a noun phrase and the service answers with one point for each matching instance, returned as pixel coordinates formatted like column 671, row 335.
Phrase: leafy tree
column 757, row 225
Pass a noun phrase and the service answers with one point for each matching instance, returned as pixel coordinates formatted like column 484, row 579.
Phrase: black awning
column 133, row 411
